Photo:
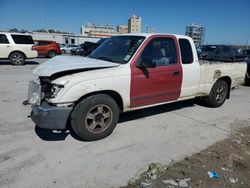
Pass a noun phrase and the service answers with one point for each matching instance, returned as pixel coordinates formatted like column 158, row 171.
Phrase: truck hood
column 69, row 63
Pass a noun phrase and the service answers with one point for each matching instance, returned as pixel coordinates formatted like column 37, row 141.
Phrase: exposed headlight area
column 42, row 89
column 48, row 89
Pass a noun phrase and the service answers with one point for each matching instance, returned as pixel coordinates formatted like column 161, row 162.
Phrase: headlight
column 35, row 99
column 34, row 93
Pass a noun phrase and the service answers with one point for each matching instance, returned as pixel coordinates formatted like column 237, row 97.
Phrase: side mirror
column 146, row 63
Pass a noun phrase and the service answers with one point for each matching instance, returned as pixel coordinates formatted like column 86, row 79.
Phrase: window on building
column 162, row 50
column 66, row 40
column 186, row 51
column 72, row 41
column 3, row 39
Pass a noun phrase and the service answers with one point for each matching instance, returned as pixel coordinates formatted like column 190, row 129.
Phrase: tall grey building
column 197, row 33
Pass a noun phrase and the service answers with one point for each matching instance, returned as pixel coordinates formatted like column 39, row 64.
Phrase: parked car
column 125, row 73
column 16, row 47
column 66, row 48
column 87, row 47
column 219, row 53
column 246, row 54
column 77, row 51
column 47, row 48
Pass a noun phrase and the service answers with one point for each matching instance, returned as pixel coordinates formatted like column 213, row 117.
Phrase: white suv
column 16, row 47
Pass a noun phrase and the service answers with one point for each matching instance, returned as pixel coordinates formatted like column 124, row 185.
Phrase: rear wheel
column 247, row 78
column 95, row 117
column 17, row 58
column 218, row 94
column 51, row 54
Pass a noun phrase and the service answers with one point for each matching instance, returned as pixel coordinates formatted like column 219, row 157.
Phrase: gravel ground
column 229, row 159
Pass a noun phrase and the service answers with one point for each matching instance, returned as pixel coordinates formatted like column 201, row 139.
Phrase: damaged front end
column 44, row 113
column 49, row 90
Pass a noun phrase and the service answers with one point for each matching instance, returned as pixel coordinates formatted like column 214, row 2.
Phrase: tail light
column 33, row 48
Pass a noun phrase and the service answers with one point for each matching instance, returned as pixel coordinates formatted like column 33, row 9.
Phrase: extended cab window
column 3, row 39
column 161, row 50
column 186, row 51
column 22, row 39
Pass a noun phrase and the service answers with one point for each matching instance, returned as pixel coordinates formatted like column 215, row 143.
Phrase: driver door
column 162, row 83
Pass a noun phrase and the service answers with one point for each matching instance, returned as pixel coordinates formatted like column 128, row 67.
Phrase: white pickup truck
column 126, row 72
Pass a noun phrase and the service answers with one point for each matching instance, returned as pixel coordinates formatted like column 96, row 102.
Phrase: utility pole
column 247, row 41
column 41, row 8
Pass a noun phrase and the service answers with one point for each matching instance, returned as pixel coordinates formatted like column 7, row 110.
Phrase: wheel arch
column 51, row 49
column 115, row 95
column 18, row 52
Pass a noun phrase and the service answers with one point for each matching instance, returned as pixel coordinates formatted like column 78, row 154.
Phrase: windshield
column 118, row 49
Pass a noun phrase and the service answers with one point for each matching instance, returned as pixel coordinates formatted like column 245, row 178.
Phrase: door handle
column 8, row 46
column 176, row 73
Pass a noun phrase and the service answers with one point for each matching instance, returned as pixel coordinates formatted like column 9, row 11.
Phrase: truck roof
column 154, row 34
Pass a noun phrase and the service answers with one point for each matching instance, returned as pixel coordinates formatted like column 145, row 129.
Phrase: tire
column 63, row 51
column 247, row 78
column 95, row 117
column 51, row 54
column 17, row 58
column 218, row 94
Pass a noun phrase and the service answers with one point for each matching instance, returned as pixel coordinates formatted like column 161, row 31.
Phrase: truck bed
column 213, row 70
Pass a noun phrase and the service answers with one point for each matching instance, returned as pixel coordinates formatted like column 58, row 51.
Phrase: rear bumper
column 50, row 117
column 32, row 54
column 59, row 52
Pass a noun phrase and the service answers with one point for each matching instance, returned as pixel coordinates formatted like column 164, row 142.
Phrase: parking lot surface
column 31, row 157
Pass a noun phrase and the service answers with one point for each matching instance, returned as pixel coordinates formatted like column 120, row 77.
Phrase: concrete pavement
column 32, row 157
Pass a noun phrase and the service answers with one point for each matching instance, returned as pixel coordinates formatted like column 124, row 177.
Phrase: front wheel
column 218, row 94
column 95, row 117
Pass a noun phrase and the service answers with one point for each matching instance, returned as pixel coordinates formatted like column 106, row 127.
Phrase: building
column 63, row 38
column 150, row 30
column 94, row 30
column 197, row 33
column 122, row 29
column 134, row 24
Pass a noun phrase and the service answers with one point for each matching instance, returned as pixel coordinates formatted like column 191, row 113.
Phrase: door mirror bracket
column 146, row 63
